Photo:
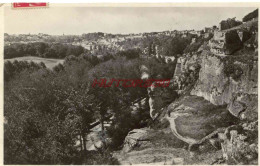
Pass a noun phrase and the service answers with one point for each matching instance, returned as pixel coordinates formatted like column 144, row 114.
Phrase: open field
column 50, row 63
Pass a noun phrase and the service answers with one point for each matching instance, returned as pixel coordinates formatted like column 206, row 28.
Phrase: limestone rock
column 159, row 97
column 215, row 86
column 135, row 138
column 186, row 73
column 244, row 106
column 192, row 118
column 240, row 147
column 177, row 161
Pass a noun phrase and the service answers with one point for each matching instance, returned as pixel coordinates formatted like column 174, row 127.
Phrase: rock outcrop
column 215, row 86
column 135, row 138
column 159, row 97
column 186, row 73
column 213, row 100
column 240, row 144
column 192, row 118
column 244, row 106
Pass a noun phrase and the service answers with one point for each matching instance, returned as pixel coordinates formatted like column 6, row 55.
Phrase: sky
column 79, row 20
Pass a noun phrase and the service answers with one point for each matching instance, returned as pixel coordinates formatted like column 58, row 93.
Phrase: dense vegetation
column 41, row 49
column 47, row 111
column 250, row 16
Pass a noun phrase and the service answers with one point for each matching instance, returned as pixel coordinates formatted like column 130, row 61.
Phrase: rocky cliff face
column 214, row 100
column 227, row 85
column 215, row 86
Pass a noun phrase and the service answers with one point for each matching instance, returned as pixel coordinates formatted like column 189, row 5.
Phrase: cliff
column 212, row 103
column 221, row 81
column 221, row 104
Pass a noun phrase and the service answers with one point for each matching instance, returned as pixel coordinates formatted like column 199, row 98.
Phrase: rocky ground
column 149, row 146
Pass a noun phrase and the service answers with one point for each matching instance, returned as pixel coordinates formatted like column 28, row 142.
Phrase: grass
column 50, row 63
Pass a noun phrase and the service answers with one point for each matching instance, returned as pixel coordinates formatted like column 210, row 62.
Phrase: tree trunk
column 102, row 123
column 80, row 138
column 84, row 141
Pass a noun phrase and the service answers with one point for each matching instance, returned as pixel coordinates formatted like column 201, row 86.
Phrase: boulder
column 244, row 106
column 135, row 138
column 192, row 118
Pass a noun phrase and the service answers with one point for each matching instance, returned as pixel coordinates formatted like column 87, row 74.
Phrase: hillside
column 216, row 114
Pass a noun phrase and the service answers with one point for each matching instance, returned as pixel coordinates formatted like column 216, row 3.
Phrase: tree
column 45, row 112
column 250, row 16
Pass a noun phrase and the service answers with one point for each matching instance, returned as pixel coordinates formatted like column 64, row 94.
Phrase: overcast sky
column 78, row 20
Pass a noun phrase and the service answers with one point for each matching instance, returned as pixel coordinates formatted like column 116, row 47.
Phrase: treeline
column 41, row 49
column 92, row 36
column 14, row 68
column 42, row 38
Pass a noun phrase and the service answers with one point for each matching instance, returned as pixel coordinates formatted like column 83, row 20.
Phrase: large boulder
column 135, row 138
column 192, row 118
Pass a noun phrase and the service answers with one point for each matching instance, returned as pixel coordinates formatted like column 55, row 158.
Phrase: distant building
column 208, row 30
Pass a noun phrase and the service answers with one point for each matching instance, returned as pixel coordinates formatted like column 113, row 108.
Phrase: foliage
column 49, row 113
column 41, row 49
column 92, row 36
column 45, row 112
column 231, row 66
column 130, row 54
column 176, row 46
column 13, row 68
column 250, row 16
column 193, row 47
column 159, row 69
